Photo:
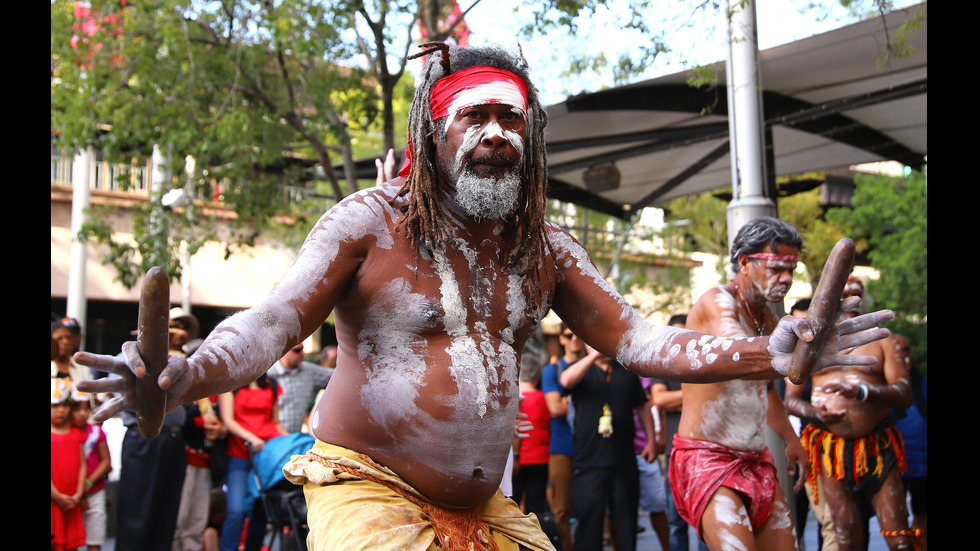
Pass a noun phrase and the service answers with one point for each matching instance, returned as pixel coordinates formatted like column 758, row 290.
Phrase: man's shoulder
column 710, row 297
column 378, row 203
column 549, row 378
column 553, row 368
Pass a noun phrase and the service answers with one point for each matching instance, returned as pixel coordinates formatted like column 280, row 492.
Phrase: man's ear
column 743, row 262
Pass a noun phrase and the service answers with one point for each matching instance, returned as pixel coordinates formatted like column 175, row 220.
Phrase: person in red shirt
column 251, row 415
column 531, row 453
column 67, row 472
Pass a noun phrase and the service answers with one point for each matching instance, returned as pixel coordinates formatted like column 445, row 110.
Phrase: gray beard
column 488, row 198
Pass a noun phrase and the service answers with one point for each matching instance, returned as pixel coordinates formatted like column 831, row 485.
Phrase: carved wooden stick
column 153, row 342
column 822, row 314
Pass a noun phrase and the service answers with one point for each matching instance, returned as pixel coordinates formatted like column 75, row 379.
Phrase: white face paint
column 772, row 289
column 501, row 91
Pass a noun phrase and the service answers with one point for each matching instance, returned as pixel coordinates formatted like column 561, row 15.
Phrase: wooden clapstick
column 153, row 342
column 822, row 314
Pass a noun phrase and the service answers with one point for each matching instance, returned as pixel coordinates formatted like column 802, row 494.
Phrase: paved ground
column 647, row 540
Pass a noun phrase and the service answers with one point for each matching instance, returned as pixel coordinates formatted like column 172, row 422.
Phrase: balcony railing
column 106, row 176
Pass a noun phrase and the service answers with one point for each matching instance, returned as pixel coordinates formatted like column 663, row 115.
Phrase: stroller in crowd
column 284, row 503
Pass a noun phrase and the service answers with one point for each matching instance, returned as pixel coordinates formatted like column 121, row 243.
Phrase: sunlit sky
column 778, row 22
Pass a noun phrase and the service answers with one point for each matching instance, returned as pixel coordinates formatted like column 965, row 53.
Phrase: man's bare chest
column 461, row 290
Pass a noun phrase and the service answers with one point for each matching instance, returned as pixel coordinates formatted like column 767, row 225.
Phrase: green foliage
column 654, row 282
column 804, row 212
column 131, row 261
column 699, row 223
column 242, row 88
column 890, row 215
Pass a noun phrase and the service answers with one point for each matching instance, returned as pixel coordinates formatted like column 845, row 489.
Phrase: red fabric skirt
column 697, row 468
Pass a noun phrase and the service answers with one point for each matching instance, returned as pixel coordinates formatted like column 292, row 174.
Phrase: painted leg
column 890, row 508
column 725, row 523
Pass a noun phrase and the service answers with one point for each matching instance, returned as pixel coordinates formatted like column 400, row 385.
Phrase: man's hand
column 213, row 428
column 386, row 170
column 649, row 452
column 841, row 388
column 844, row 335
column 522, row 426
column 174, row 378
column 796, row 455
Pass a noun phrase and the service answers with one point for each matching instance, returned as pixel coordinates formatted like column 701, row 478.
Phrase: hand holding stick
column 153, row 343
column 822, row 314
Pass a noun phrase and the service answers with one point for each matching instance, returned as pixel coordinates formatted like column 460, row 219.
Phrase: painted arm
column 895, row 393
column 244, row 345
column 662, row 435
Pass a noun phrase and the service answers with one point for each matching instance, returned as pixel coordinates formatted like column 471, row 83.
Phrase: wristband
column 88, row 483
column 864, row 392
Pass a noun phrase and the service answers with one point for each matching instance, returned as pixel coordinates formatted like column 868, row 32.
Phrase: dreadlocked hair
column 424, row 221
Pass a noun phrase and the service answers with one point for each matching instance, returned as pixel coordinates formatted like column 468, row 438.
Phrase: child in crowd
column 67, row 472
column 98, row 465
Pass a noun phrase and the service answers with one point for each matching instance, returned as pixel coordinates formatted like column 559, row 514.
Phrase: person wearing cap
column 184, row 329
column 436, row 280
column 857, row 451
column 67, row 333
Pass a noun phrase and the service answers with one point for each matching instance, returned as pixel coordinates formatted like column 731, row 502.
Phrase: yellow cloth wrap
column 354, row 503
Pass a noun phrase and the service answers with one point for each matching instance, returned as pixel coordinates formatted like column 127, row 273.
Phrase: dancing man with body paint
column 722, row 475
column 436, row 279
column 856, row 450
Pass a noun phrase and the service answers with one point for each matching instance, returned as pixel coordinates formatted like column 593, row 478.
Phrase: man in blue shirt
column 560, row 450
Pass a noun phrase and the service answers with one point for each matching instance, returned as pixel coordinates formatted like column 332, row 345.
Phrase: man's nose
column 493, row 135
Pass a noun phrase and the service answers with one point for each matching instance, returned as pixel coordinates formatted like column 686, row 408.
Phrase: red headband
column 478, row 85
column 777, row 257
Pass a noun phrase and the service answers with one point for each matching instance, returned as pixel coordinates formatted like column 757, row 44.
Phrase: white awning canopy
column 828, row 102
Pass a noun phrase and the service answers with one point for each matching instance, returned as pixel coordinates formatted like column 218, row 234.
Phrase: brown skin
column 449, row 438
column 730, row 413
column 68, row 344
column 835, row 402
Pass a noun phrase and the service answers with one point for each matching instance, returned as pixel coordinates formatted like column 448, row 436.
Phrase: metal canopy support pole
column 745, row 125
column 81, row 175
